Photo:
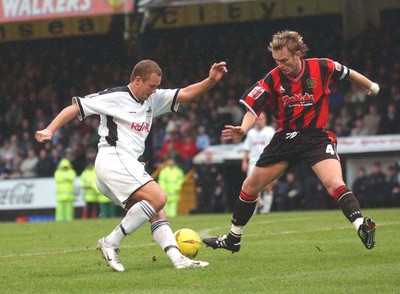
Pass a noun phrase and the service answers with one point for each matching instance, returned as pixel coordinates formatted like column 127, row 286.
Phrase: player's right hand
column 232, row 133
column 43, row 135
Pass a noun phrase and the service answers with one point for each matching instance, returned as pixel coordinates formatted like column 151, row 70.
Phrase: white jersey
column 125, row 122
column 255, row 142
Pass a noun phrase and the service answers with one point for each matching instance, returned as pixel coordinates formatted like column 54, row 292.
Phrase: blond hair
column 292, row 40
column 144, row 69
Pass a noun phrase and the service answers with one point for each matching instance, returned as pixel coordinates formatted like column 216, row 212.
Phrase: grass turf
column 283, row 252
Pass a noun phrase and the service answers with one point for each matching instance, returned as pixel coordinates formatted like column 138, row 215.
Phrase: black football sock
column 242, row 213
column 349, row 205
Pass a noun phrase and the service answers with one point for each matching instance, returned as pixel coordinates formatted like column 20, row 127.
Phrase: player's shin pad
column 349, row 205
column 243, row 209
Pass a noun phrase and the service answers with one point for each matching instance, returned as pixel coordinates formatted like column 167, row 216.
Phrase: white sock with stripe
column 162, row 233
column 136, row 216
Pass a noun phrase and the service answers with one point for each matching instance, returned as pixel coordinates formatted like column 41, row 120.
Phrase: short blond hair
column 144, row 69
column 292, row 40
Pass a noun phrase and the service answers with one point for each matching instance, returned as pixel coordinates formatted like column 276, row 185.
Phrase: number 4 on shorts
column 329, row 149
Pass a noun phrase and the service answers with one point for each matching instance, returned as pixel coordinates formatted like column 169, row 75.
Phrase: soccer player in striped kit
column 296, row 91
column 126, row 115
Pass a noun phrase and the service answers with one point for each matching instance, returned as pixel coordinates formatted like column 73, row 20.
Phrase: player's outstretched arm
column 236, row 133
column 61, row 119
column 363, row 82
column 190, row 92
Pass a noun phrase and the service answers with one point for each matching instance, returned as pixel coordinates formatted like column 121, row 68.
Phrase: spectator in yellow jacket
column 65, row 191
column 106, row 206
column 90, row 192
column 170, row 180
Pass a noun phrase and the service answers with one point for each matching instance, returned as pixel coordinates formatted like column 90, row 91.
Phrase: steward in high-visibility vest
column 65, row 191
column 106, row 206
column 170, row 180
column 90, row 192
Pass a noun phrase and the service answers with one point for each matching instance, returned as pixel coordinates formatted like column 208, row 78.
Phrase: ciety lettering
column 298, row 100
column 141, row 127
column 20, row 193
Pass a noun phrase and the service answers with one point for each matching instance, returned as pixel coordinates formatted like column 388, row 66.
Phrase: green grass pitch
column 283, row 252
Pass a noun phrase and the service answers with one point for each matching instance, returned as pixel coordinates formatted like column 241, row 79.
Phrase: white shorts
column 119, row 174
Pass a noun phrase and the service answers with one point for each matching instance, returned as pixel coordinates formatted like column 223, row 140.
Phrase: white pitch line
column 205, row 232
column 74, row 250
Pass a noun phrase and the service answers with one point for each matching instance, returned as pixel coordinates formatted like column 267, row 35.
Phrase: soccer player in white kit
column 126, row 117
column 256, row 140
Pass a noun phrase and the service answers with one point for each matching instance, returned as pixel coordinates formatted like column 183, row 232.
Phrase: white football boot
column 111, row 255
column 185, row 262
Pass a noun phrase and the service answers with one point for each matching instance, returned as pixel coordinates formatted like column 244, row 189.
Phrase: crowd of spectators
column 378, row 188
column 38, row 79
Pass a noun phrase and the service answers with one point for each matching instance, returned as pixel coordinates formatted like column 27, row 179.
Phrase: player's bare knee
column 158, row 202
column 333, row 185
column 250, row 188
column 163, row 198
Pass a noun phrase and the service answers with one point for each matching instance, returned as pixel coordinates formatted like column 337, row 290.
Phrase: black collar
column 133, row 96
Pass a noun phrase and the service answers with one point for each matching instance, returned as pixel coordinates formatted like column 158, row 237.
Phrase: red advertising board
column 28, row 10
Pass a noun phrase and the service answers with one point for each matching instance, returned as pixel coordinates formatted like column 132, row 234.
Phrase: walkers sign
column 28, row 10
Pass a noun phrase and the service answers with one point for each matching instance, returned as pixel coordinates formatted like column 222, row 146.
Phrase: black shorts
column 310, row 146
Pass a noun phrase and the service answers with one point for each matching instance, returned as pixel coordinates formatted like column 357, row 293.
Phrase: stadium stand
column 39, row 78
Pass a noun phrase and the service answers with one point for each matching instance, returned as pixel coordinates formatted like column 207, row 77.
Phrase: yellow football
column 189, row 242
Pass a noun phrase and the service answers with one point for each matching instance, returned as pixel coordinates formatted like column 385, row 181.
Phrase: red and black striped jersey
column 297, row 103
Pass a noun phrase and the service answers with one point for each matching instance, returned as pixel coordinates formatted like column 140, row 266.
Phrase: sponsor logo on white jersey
column 140, row 127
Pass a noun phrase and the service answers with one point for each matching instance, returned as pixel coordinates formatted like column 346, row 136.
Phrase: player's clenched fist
column 43, row 135
column 374, row 89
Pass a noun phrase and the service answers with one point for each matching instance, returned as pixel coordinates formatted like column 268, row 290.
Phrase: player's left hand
column 217, row 71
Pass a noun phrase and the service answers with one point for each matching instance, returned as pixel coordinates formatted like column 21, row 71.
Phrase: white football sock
column 237, row 230
column 164, row 236
column 358, row 222
column 174, row 254
column 136, row 216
